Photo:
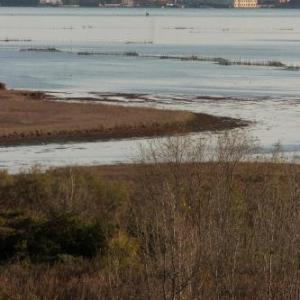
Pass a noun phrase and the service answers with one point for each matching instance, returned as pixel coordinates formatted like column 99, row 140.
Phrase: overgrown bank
column 167, row 229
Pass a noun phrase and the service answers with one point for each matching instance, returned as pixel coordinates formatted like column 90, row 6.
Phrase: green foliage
column 79, row 191
column 49, row 240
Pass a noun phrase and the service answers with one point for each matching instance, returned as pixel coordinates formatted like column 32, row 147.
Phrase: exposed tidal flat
column 230, row 63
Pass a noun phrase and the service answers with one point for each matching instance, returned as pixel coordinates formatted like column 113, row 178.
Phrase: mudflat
column 28, row 117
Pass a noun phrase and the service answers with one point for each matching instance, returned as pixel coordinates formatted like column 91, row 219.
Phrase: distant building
column 128, row 3
column 89, row 3
column 50, row 2
column 204, row 3
column 70, row 2
column 245, row 3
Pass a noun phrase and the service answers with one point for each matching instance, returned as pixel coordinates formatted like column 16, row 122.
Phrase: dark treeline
column 37, row 2
column 19, row 2
column 154, row 3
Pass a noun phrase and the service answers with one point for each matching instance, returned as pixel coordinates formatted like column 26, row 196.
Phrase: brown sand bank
column 32, row 118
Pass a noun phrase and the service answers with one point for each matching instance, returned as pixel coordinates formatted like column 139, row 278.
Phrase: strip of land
column 28, row 117
column 217, row 60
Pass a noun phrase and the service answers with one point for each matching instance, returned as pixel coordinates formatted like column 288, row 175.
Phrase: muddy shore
column 28, row 117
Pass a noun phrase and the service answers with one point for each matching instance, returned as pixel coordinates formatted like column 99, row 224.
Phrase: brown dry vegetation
column 221, row 229
column 30, row 117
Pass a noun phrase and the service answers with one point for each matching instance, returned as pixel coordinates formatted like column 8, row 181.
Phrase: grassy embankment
column 30, row 117
column 172, row 230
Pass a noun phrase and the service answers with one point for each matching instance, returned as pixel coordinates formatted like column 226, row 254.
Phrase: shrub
column 49, row 240
column 79, row 191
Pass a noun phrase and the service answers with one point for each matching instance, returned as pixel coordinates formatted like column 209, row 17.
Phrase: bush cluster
column 184, row 225
column 52, row 239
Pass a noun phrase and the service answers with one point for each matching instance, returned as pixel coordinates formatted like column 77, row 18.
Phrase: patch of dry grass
column 29, row 117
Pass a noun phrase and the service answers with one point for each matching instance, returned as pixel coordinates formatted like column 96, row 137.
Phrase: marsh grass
column 30, row 117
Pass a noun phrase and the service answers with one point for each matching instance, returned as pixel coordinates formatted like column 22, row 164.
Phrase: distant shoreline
column 204, row 6
column 29, row 118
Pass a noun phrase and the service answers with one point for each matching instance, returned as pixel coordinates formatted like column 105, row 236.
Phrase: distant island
column 158, row 3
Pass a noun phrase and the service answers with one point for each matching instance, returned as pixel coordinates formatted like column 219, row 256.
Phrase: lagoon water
column 269, row 96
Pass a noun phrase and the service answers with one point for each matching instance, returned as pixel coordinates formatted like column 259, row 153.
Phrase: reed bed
column 31, row 117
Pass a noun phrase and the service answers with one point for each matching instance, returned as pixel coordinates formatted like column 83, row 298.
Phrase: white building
column 245, row 3
column 51, row 2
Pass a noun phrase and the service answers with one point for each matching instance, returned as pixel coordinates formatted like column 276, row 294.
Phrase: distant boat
column 147, row 14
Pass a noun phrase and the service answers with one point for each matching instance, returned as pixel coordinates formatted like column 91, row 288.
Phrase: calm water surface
column 270, row 96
